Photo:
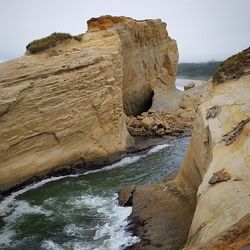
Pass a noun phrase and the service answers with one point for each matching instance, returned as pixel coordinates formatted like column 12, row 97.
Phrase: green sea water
column 82, row 211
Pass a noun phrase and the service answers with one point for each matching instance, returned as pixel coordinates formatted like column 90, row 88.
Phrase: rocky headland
column 85, row 100
column 69, row 99
column 207, row 205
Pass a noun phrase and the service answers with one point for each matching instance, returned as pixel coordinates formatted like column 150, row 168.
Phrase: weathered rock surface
column 235, row 237
column 214, row 180
column 66, row 104
column 223, row 204
column 157, row 124
column 161, row 215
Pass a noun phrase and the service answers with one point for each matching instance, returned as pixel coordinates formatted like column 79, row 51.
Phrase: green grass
column 234, row 67
column 78, row 37
column 50, row 41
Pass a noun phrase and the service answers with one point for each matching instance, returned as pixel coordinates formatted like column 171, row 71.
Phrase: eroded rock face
column 67, row 103
column 234, row 237
column 223, row 195
column 149, row 59
column 211, row 190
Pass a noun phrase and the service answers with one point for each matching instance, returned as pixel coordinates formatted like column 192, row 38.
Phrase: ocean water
column 82, row 211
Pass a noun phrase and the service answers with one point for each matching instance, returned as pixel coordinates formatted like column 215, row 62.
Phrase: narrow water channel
column 81, row 211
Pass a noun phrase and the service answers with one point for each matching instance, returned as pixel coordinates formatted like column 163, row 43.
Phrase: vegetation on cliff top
column 201, row 71
column 50, row 41
column 234, row 67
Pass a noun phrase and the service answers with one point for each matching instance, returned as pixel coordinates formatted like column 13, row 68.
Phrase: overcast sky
column 204, row 29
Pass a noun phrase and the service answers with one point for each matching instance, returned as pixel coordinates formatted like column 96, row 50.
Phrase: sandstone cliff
column 68, row 103
column 207, row 205
column 221, row 154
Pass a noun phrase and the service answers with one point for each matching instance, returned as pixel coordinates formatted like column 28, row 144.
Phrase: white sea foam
column 7, row 201
column 50, row 245
column 12, row 210
column 6, row 236
column 20, row 208
column 15, row 212
column 158, row 148
column 123, row 162
column 179, row 87
column 87, row 201
column 128, row 160
column 114, row 231
column 110, row 232
column 73, row 230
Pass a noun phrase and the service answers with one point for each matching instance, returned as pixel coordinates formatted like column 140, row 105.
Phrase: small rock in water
column 189, row 86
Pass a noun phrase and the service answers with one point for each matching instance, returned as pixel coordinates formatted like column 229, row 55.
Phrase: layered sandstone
column 221, row 155
column 207, row 205
column 68, row 103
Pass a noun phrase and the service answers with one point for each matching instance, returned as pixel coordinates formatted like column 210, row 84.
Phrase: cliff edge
column 66, row 101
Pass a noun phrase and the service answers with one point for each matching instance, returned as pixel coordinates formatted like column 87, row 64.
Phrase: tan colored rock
column 145, row 73
column 156, row 124
column 217, row 209
column 219, row 176
column 221, row 205
column 235, row 237
column 161, row 215
column 160, row 132
column 66, row 104
column 148, row 123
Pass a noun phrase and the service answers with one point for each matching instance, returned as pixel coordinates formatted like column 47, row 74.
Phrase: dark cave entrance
column 136, row 106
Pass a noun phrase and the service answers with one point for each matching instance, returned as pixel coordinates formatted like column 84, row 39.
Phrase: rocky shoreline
column 206, row 205
column 83, row 102
column 141, row 143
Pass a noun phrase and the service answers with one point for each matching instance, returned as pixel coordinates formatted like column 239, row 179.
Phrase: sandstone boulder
column 148, row 123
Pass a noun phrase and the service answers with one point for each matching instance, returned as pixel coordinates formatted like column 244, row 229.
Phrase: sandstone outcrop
column 68, row 103
column 211, row 190
column 224, row 203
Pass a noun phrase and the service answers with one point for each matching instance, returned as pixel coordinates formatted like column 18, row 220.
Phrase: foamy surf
column 110, row 231
column 123, row 162
column 16, row 211
column 111, row 234
column 129, row 159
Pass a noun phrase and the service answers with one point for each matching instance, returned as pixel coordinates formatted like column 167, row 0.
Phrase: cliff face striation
column 221, row 154
column 207, row 205
column 68, row 103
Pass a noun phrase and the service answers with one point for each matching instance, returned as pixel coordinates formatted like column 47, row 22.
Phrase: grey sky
column 204, row 29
